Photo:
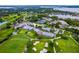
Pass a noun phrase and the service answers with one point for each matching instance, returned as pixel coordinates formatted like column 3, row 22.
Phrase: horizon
column 52, row 6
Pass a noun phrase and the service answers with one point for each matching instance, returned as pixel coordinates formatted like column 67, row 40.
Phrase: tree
column 54, row 17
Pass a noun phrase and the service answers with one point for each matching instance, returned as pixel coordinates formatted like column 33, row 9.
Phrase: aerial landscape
column 39, row 29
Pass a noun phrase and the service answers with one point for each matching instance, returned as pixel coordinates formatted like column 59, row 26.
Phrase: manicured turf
column 67, row 46
column 4, row 34
column 40, row 46
column 15, row 44
column 24, row 38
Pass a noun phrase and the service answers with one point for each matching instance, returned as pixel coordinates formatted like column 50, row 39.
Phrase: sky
column 39, row 2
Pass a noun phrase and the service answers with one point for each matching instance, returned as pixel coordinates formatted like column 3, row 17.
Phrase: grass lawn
column 24, row 38
column 67, row 46
column 15, row 44
column 5, row 34
column 40, row 46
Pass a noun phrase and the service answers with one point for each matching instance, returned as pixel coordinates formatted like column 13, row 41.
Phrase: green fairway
column 15, row 44
column 67, row 45
column 40, row 45
column 4, row 34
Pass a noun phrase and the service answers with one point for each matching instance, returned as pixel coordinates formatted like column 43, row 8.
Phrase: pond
column 1, row 23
